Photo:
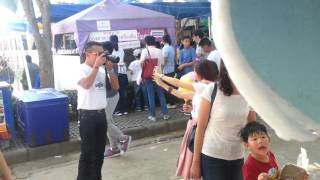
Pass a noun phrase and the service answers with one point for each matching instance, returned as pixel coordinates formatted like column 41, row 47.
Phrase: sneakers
column 187, row 113
column 125, row 144
column 166, row 117
column 151, row 118
column 112, row 153
column 117, row 113
column 171, row 106
column 120, row 113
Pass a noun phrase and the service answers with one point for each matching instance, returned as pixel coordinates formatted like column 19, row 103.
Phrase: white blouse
column 228, row 115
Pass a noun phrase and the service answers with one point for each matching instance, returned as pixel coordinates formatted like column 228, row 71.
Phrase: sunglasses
column 97, row 53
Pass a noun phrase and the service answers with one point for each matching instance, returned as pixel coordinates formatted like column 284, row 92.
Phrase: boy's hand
column 180, row 67
column 263, row 176
column 187, row 108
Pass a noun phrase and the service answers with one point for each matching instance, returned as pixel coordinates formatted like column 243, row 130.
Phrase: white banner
column 129, row 44
column 123, row 35
column 103, row 25
column 157, row 32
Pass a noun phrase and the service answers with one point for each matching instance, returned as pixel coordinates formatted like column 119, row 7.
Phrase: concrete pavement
column 134, row 124
column 151, row 159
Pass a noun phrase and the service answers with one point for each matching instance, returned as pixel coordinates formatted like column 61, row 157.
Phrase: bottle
column 302, row 160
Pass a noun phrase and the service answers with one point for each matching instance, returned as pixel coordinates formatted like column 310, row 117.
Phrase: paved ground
column 150, row 159
column 134, row 124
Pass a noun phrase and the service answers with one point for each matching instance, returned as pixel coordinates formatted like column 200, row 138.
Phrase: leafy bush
column 72, row 97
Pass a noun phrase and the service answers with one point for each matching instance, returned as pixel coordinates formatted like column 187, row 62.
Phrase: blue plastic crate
column 43, row 116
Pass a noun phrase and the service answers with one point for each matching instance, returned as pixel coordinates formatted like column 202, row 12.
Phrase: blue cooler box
column 43, row 116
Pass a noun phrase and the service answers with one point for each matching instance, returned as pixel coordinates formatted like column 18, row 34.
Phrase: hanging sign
column 103, row 25
column 123, row 35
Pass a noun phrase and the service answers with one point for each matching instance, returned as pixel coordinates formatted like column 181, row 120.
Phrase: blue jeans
column 151, row 86
column 140, row 91
column 220, row 169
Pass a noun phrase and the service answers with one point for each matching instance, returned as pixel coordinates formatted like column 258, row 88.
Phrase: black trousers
column 93, row 128
column 123, row 101
column 220, row 169
column 171, row 99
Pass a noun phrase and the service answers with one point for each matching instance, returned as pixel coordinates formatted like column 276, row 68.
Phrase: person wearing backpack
column 217, row 146
column 151, row 57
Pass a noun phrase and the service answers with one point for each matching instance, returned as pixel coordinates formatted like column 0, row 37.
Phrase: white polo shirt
column 93, row 98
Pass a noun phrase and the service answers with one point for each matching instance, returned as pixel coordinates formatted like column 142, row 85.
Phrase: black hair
column 252, row 128
column 166, row 38
column 114, row 39
column 108, row 46
column 28, row 58
column 199, row 33
column 90, row 44
column 157, row 44
column 186, row 37
column 205, row 42
column 225, row 83
column 208, row 70
column 150, row 40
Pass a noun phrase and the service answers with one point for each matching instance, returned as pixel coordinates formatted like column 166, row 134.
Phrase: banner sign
column 123, row 35
column 103, row 25
column 129, row 44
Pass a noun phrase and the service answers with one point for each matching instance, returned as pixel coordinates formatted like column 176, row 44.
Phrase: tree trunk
column 43, row 43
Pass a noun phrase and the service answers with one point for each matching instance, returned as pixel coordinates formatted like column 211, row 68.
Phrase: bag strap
column 148, row 53
column 213, row 97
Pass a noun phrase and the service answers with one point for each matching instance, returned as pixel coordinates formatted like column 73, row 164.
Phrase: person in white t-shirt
column 91, row 87
column 122, row 108
column 210, row 49
column 206, row 72
column 152, row 52
column 217, row 145
column 197, row 37
column 139, row 90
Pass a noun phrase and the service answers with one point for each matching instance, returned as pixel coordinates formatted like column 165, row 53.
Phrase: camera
column 109, row 57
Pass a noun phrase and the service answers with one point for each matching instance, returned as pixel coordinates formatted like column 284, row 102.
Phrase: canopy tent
column 179, row 10
column 62, row 11
column 110, row 16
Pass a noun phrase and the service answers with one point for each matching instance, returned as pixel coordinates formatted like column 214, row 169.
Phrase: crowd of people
column 221, row 120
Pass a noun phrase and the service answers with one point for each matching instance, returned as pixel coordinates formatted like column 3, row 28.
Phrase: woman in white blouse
column 218, row 150
column 206, row 72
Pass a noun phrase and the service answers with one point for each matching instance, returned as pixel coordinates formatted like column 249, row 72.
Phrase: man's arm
column 87, row 82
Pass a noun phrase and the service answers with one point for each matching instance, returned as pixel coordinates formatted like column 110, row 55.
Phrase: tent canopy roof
column 179, row 10
column 114, row 11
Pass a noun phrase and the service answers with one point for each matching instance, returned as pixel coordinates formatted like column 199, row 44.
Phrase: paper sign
column 129, row 44
column 103, row 25
column 123, row 35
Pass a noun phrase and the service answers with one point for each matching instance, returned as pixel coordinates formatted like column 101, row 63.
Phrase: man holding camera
column 91, row 105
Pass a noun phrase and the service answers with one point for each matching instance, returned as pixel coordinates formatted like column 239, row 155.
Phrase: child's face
column 186, row 43
column 258, row 144
column 206, row 49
